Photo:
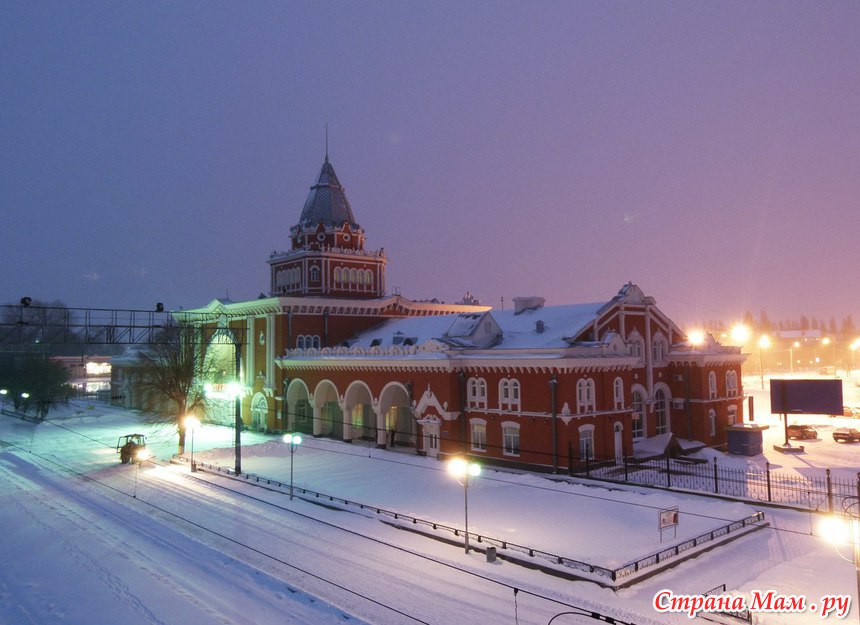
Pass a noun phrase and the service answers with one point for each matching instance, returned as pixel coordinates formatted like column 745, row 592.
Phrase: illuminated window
column 712, row 385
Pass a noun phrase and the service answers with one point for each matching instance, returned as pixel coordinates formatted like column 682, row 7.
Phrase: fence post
column 767, row 470
column 716, row 479
column 587, row 465
column 829, row 493
column 626, row 475
column 668, row 473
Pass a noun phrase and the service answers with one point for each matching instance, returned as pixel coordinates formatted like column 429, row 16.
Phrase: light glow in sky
column 707, row 151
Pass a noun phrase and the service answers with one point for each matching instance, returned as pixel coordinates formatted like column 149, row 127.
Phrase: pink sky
column 709, row 152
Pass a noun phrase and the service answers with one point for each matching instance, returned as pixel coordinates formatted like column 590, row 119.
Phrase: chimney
column 522, row 304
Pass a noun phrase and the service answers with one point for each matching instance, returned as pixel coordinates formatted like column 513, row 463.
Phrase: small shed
column 745, row 438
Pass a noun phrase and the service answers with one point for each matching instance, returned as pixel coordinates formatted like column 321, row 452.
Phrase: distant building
column 88, row 375
column 330, row 354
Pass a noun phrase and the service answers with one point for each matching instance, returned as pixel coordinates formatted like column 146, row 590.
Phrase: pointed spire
column 326, row 142
column 326, row 202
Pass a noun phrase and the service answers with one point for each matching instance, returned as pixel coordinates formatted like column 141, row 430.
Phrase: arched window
column 659, row 348
column 315, row 274
column 585, row 395
column 476, row 393
column 618, row 393
column 308, row 341
column 712, row 421
column 368, row 278
column 661, row 411
column 638, row 428
column 637, row 344
column 509, row 395
column 731, row 383
column 352, row 276
column 712, row 385
column 337, row 275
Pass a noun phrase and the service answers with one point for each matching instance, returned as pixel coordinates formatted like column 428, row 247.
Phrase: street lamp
column 463, row 470
column 293, row 440
column 739, row 334
column 763, row 343
column 192, row 423
column 855, row 344
column 4, row 392
column 845, row 530
column 25, row 397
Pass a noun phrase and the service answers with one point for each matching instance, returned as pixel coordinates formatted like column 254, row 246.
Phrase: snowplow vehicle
column 129, row 447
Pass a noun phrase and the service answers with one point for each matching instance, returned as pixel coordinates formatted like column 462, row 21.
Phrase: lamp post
column 464, row 470
column 25, row 397
column 791, row 349
column 192, row 423
column 4, row 392
column 293, row 440
column 763, row 343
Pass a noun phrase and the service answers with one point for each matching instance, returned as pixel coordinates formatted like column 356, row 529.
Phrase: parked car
column 801, row 431
column 847, row 435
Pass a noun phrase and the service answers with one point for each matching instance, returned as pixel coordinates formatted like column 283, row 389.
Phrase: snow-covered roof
column 518, row 331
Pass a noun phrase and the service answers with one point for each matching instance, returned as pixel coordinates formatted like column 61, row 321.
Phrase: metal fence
column 614, row 575
column 821, row 492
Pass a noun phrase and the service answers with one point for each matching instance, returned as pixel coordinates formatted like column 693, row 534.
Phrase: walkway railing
column 614, row 575
column 815, row 493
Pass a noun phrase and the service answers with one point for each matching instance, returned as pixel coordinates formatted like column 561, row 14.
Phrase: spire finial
column 326, row 142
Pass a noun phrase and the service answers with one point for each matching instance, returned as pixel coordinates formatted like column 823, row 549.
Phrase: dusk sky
column 707, row 151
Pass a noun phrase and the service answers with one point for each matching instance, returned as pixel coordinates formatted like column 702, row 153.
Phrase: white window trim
column 516, row 426
column 472, row 424
column 586, row 433
column 618, row 393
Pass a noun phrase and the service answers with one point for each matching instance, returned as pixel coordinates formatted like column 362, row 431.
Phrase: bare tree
column 172, row 375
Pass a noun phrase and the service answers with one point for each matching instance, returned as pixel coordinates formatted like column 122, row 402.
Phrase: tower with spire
column 327, row 256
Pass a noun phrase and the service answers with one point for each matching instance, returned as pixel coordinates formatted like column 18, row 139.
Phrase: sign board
column 806, row 396
column 667, row 518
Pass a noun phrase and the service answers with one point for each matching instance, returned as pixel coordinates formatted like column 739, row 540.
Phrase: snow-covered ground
column 87, row 540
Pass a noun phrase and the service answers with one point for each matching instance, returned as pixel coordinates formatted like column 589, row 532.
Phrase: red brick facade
column 548, row 387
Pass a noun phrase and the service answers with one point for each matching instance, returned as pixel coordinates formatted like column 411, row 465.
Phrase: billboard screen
column 806, row 396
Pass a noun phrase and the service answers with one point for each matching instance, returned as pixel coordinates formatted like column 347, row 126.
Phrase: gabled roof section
column 326, row 203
